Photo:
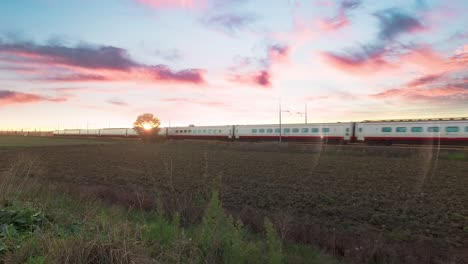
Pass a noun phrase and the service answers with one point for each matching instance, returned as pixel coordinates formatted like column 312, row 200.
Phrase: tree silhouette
column 147, row 126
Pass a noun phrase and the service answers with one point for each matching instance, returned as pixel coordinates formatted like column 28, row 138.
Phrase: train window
column 466, row 129
column 401, row 129
column 386, row 129
column 416, row 129
column 286, row 130
column 254, row 130
column 360, row 129
column 270, row 130
column 209, row 131
column 452, row 129
column 325, row 130
column 204, row 131
column 277, row 130
column 261, row 130
column 347, row 129
column 177, row 131
column 314, row 130
column 305, row 130
column 295, row 130
column 433, row 129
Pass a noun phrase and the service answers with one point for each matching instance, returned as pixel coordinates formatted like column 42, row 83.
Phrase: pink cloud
column 276, row 55
column 172, row 3
column 359, row 63
column 325, row 3
column 182, row 100
column 260, row 78
column 386, row 60
column 333, row 24
column 86, row 63
column 11, row 97
column 434, row 87
column 117, row 102
column 341, row 19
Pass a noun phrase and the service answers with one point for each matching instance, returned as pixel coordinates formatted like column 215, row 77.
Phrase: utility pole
column 305, row 113
column 280, row 125
column 280, row 121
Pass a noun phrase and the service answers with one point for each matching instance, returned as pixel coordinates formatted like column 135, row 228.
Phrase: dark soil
column 373, row 205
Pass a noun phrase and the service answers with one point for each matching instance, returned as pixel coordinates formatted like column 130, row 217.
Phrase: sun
column 147, row 126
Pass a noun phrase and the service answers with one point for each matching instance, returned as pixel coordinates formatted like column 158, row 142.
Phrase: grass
column 41, row 223
column 8, row 142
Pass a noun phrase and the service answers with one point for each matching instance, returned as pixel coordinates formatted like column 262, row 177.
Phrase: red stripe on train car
column 292, row 137
column 198, row 137
column 417, row 138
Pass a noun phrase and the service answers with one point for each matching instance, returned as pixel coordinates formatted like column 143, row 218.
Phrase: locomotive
column 442, row 131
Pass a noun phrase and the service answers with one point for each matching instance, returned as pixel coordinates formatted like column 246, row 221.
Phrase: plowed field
column 396, row 205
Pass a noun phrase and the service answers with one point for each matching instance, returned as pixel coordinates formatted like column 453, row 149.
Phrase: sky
column 97, row 64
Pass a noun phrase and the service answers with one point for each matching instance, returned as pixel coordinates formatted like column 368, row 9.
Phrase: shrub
column 220, row 237
column 274, row 248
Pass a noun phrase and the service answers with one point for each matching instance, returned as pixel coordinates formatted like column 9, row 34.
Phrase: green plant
column 274, row 247
column 17, row 224
column 159, row 230
column 221, row 237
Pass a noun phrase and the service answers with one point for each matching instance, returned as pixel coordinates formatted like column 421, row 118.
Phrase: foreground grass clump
column 49, row 227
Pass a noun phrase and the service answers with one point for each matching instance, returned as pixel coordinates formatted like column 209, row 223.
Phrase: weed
column 275, row 255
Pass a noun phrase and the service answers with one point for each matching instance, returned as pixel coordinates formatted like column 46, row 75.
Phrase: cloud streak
column 187, row 4
column 229, row 22
column 91, row 63
column 117, row 102
column 8, row 97
column 341, row 19
column 275, row 54
column 183, row 100
column 382, row 54
column 429, row 88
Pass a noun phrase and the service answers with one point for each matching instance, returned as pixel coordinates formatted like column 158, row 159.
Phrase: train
column 441, row 131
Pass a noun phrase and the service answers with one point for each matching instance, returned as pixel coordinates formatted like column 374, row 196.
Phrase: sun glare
column 147, row 126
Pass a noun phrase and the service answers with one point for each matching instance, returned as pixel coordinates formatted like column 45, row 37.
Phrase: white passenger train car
column 104, row 132
column 109, row 132
column 430, row 131
column 201, row 132
column 326, row 132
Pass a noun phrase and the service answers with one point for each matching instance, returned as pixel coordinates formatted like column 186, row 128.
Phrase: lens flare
column 147, row 126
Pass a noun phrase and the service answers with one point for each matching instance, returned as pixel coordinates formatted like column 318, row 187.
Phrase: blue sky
column 101, row 63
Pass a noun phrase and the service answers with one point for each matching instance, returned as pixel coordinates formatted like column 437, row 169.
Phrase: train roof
column 298, row 124
column 417, row 120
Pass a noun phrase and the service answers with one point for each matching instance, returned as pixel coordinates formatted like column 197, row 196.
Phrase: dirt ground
column 395, row 205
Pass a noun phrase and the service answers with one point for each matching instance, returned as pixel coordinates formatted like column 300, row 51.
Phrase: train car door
column 231, row 133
